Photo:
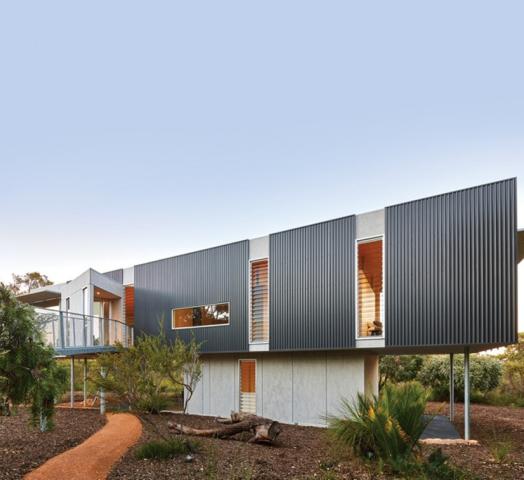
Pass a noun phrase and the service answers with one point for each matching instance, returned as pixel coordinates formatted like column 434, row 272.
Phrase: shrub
column 163, row 449
column 386, row 427
column 29, row 372
column 485, row 374
column 399, row 368
column 142, row 376
column 437, row 467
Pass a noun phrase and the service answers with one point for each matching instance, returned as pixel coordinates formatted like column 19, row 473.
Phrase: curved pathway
column 93, row 458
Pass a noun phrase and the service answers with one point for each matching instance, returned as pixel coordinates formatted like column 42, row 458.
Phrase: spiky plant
column 387, row 427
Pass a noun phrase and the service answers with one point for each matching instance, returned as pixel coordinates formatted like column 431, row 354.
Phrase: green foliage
column 142, row 376
column 437, row 467
column 384, row 428
column 50, row 380
column 485, row 374
column 512, row 385
column 399, row 368
column 500, row 449
column 28, row 371
column 164, row 449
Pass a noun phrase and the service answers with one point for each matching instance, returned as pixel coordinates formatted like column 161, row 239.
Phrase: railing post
column 84, row 330
column 61, row 329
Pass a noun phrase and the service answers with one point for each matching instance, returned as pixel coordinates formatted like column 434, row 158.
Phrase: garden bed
column 300, row 452
column 23, row 448
column 307, row 452
column 497, row 429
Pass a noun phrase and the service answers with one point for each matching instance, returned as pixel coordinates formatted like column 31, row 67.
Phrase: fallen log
column 263, row 430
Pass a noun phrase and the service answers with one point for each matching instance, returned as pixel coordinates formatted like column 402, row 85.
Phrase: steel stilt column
column 85, row 382
column 451, row 388
column 72, row 378
column 466, row 394
column 102, row 395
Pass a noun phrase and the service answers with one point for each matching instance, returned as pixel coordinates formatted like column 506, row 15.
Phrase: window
column 259, row 301
column 248, row 396
column 201, row 316
column 370, row 296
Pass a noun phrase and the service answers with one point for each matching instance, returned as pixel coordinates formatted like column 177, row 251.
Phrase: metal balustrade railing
column 67, row 330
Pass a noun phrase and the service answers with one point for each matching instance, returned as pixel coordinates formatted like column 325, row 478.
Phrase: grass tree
column 29, row 372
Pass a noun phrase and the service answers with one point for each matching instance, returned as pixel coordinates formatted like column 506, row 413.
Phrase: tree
column 140, row 376
column 29, row 281
column 485, row 374
column 513, row 368
column 28, row 371
column 399, row 368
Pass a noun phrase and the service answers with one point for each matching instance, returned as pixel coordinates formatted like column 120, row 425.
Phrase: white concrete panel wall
column 345, row 378
column 301, row 388
column 222, row 387
column 277, row 396
column 309, row 389
column 370, row 224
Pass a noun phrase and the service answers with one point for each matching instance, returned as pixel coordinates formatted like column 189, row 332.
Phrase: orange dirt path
column 93, row 458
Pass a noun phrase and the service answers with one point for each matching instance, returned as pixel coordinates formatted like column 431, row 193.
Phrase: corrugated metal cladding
column 451, row 268
column 216, row 275
column 116, row 275
column 311, row 293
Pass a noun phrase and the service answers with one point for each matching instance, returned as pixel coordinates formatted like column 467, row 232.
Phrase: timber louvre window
column 370, row 287
column 200, row 316
column 259, row 308
column 248, row 396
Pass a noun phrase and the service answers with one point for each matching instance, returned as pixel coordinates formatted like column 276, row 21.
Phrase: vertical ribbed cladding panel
column 216, row 275
column 312, row 287
column 451, row 268
column 116, row 275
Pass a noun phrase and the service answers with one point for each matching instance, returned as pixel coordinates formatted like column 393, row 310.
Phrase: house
column 294, row 321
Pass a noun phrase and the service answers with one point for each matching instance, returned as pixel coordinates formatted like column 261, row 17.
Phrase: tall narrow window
column 370, row 288
column 259, row 301
column 248, row 396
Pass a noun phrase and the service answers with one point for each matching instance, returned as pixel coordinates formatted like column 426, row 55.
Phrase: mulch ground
column 308, row 453
column 300, row 452
column 491, row 426
column 23, row 447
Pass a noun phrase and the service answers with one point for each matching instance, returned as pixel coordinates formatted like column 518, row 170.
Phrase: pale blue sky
column 131, row 131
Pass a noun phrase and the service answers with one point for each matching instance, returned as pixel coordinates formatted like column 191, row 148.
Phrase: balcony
column 76, row 334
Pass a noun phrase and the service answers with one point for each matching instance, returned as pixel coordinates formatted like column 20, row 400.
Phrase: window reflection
column 201, row 316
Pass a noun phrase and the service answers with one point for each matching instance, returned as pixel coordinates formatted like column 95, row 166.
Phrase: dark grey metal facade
column 116, row 275
column 312, row 287
column 451, row 268
column 215, row 275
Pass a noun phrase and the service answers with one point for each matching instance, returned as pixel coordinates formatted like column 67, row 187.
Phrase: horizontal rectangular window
column 370, row 288
column 201, row 316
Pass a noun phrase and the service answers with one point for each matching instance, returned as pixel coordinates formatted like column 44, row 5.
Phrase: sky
column 132, row 131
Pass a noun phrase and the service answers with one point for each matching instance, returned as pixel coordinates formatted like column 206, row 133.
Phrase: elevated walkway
column 75, row 334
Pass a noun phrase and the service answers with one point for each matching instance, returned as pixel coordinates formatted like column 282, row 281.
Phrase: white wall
column 301, row 388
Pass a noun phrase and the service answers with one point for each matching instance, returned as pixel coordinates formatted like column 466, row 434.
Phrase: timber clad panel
column 130, row 305
column 451, row 268
column 211, row 276
column 312, row 287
